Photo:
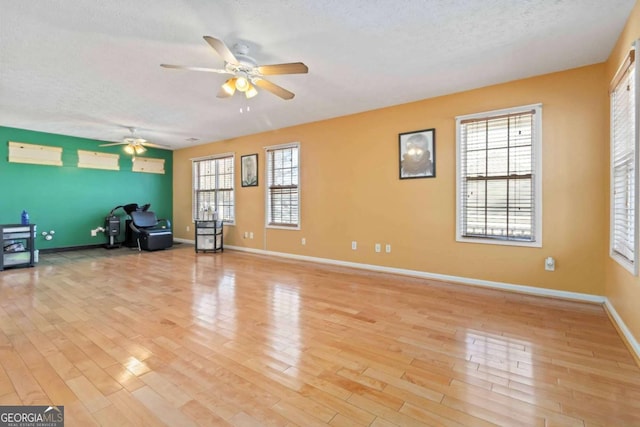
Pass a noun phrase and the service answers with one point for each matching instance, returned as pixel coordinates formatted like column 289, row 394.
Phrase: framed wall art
column 417, row 154
column 249, row 170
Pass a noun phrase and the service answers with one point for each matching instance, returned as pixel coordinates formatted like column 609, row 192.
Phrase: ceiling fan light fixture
column 251, row 91
column 242, row 83
column 132, row 144
column 230, row 86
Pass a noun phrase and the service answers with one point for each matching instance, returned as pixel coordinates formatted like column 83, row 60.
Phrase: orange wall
column 350, row 188
column 622, row 288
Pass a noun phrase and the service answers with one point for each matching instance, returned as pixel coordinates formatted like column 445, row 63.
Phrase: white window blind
column 213, row 191
column 624, row 161
column 283, row 195
column 498, row 176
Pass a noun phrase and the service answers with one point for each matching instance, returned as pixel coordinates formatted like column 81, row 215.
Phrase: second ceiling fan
column 133, row 143
column 245, row 71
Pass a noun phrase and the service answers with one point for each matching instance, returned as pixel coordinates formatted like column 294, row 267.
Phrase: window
column 624, row 161
column 499, row 177
column 213, row 180
column 283, row 192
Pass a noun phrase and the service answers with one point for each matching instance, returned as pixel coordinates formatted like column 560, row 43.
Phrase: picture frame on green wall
column 249, row 170
column 417, row 154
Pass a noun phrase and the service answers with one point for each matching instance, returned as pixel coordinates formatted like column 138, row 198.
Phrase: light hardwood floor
column 122, row 338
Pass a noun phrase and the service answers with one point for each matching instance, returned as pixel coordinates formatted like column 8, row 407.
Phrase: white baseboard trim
column 177, row 239
column 631, row 340
column 532, row 290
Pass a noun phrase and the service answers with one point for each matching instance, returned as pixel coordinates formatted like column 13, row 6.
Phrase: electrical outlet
column 251, row 234
column 550, row 264
column 94, row 233
column 303, row 241
column 387, row 248
column 188, row 228
column 354, row 245
column 246, row 234
column 378, row 247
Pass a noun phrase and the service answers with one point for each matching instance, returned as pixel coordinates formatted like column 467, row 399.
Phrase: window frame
column 268, row 167
column 536, row 180
column 195, row 191
column 621, row 76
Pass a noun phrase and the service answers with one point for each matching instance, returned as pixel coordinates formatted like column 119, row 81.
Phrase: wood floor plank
column 297, row 415
column 510, row 404
column 112, row 416
column 83, row 338
column 415, row 405
column 313, row 381
column 202, row 416
column 90, row 396
column 100, row 378
column 77, row 415
column 243, row 419
column 56, row 389
column 433, row 418
column 5, row 383
column 386, row 413
column 410, row 387
column 381, row 422
column 618, row 412
column 10, row 399
column 479, row 409
column 136, row 411
column 165, row 388
column 341, row 421
column 26, row 386
column 341, row 407
column 596, row 387
column 171, row 337
column 162, row 407
column 124, row 377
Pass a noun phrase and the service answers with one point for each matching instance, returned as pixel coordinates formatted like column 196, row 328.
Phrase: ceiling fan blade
column 153, row 145
column 113, row 143
column 207, row 70
column 222, row 49
column 289, row 68
column 273, row 88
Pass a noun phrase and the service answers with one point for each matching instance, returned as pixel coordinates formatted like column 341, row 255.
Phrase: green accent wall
column 72, row 200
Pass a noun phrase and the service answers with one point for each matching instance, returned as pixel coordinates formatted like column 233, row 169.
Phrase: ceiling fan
column 134, row 144
column 245, row 71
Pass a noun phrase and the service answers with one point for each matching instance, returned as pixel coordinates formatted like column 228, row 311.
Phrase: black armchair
column 149, row 232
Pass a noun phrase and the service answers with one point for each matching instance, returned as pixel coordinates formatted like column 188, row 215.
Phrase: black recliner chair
column 146, row 231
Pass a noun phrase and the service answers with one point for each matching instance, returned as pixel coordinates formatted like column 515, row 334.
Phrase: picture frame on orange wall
column 249, row 170
column 417, row 154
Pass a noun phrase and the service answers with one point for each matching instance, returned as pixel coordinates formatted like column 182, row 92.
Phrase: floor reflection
column 285, row 321
column 508, row 354
column 216, row 305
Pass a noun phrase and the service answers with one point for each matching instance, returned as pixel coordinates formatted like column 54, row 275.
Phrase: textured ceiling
column 91, row 68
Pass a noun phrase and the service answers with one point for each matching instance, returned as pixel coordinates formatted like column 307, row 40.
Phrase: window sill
column 283, row 227
column 490, row 241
